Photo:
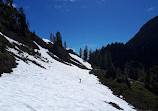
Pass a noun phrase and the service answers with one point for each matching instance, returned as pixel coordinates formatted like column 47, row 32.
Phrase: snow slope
column 56, row 88
column 81, row 61
column 47, row 41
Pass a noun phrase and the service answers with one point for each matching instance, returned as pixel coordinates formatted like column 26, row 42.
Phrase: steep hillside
column 14, row 24
column 143, row 47
column 42, row 83
column 132, row 67
column 7, row 62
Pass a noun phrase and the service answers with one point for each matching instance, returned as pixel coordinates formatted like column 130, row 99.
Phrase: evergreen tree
column 80, row 53
column 54, row 39
column 59, row 40
column 22, row 21
column 131, row 71
column 85, row 55
column 33, row 33
column 109, row 66
column 96, row 58
column 151, row 81
column 27, row 24
column 90, row 56
column 118, row 72
column 108, row 60
column 51, row 37
column 9, row 17
column 141, row 74
column 65, row 45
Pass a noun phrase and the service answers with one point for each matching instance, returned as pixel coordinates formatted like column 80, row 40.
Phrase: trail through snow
column 56, row 88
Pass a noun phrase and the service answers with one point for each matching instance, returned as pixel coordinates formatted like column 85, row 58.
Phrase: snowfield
column 81, row 61
column 56, row 88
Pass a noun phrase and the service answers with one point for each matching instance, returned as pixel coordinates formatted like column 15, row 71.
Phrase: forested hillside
column 13, row 23
column 136, row 60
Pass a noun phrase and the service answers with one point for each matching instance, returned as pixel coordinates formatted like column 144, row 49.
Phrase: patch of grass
column 141, row 97
column 7, row 62
column 137, row 95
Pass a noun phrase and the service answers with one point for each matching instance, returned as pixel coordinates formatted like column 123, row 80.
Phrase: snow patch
column 47, row 41
column 81, row 61
column 11, row 40
column 70, row 49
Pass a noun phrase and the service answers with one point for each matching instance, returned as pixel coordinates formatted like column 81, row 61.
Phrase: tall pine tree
column 22, row 21
column 85, row 55
column 80, row 53
column 51, row 37
column 54, row 39
column 58, row 40
column 109, row 66
column 65, row 45
column 90, row 56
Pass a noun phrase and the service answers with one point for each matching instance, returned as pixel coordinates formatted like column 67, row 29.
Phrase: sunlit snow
column 56, row 88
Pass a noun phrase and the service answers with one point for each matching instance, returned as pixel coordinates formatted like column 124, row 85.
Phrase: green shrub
column 137, row 95
column 7, row 62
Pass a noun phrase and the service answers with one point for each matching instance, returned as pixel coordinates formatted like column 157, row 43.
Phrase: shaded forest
column 137, row 59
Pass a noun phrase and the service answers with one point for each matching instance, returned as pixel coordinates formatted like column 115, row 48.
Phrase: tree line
column 117, row 62
column 15, row 20
column 84, row 54
column 57, row 40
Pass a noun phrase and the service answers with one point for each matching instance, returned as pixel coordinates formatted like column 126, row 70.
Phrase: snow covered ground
column 81, row 61
column 56, row 88
column 47, row 41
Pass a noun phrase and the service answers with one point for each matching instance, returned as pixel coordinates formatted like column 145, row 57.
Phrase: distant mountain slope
column 143, row 47
column 135, row 60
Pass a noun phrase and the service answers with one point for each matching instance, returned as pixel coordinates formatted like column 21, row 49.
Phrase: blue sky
column 92, row 22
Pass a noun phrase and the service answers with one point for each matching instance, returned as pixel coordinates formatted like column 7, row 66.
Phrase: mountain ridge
column 143, row 44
